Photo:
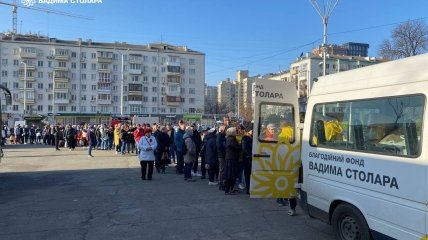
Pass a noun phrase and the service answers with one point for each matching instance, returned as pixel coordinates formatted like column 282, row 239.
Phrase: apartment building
column 226, row 95
column 211, row 93
column 306, row 69
column 84, row 81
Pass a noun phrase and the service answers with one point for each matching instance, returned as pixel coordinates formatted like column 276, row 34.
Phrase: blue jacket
column 178, row 140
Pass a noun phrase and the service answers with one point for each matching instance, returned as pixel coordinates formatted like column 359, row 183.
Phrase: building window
column 40, row 85
column 82, row 108
column 192, row 110
column 83, row 65
column 73, row 108
column 16, row 62
column 3, row 73
column 192, row 81
column 154, row 99
column 191, row 100
column 191, row 91
column 40, row 108
column 155, row 89
column 15, row 107
column 62, row 108
column 39, row 96
column 153, row 109
column 192, row 71
column 40, row 63
column 173, row 110
column 73, row 65
column 93, row 55
column 191, row 61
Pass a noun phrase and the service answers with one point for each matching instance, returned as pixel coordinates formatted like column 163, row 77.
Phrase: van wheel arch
column 348, row 222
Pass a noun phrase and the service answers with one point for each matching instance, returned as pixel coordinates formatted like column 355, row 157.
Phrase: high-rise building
column 211, row 105
column 226, row 97
column 83, row 80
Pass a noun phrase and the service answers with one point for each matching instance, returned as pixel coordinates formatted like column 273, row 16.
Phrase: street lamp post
column 122, row 81
column 25, row 87
column 324, row 13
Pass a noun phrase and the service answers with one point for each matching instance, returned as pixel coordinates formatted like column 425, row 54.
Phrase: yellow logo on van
column 276, row 176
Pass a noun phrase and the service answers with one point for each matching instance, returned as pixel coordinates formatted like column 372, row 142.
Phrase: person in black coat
column 196, row 137
column 211, row 159
column 221, row 152
column 231, row 158
column 162, row 138
column 247, row 150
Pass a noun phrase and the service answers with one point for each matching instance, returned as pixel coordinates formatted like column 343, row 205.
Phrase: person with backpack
column 189, row 154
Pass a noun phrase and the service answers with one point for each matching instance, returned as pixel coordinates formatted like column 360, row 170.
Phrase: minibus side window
column 391, row 126
column 276, row 123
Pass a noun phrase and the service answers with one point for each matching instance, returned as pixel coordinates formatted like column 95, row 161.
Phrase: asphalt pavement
column 48, row 194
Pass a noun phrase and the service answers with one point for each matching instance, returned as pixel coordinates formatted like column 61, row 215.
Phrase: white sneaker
column 292, row 212
column 241, row 186
column 198, row 174
column 212, row 183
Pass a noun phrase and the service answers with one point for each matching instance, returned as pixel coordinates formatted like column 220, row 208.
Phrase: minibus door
column 276, row 146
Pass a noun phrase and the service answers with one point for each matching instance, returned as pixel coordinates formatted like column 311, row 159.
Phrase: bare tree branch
column 407, row 39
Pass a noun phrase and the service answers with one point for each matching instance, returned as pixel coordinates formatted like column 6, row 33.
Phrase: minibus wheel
column 349, row 224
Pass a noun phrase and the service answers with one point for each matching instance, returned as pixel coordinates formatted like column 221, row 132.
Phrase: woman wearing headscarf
column 147, row 145
column 189, row 156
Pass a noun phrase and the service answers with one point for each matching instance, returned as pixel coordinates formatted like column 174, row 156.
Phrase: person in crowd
column 156, row 129
column 138, row 133
column 189, row 156
column 103, row 137
column 130, row 141
column 92, row 140
column 38, row 135
column 26, row 135
column 247, row 152
column 211, row 159
column 171, row 142
column 57, row 135
column 231, row 159
column 162, row 139
column 147, row 145
column 32, row 134
column 123, row 138
column 110, row 135
column 18, row 133
column 178, row 141
column 221, row 152
column 270, row 134
column 196, row 137
column 202, row 153
column 240, row 132
column 70, row 134
column 116, row 135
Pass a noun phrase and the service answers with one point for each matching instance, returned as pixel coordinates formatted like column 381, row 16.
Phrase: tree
column 407, row 39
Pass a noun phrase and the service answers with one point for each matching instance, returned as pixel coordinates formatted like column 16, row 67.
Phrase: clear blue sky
column 259, row 36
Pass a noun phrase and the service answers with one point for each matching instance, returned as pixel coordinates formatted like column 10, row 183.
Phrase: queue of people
column 225, row 153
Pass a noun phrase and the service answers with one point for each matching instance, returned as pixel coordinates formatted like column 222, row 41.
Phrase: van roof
column 403, row 71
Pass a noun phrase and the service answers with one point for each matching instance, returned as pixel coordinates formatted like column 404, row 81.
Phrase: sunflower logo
column 28, row 3
column 276, row 177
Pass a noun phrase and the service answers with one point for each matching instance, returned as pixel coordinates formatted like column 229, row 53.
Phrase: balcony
column 104, row 70
column 104, row 101
column 61, row 90
column 173, row 93
column 62, row 100
column 61, row 69
column 27, row 100
column 135, row 102
column 62, row 79
column 104, row 90
column 173, row 64
column 29, row 79
column 173, row 100
column 135, row 58
column 61, row 57
column 29, row 67
column 105, row 59
column 135, row 71
column 173, row 80
column 27, row 53
column 135, row 93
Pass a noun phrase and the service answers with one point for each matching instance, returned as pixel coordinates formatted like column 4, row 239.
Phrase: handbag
column 165, row 158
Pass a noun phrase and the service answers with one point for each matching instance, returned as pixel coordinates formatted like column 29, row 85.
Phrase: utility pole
column 122, row 81
column 324, row 13
column 25, row 87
